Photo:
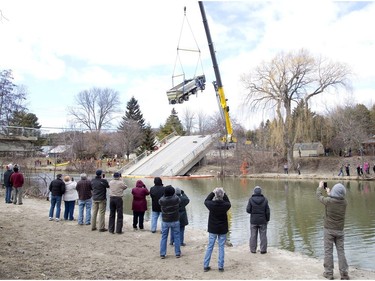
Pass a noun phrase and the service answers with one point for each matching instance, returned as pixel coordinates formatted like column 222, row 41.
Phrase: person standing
column 334, row 220
column 84, row 190
column 347, row 169
column 116, row 191
column 259, row 211
column 139, row 204
column 218, row 204
column 156, row 192
column 99, row 197
column 184, row 200
column 286, row 168
column 170, row 203
column 299, row 168
column 17, row 181
column 57, row 189
column 8, row 184
column 69, row 197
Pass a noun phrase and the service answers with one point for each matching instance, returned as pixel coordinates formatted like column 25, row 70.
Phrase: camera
column 325, row 185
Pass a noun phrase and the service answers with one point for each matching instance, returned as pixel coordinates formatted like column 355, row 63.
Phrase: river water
column 296, row 215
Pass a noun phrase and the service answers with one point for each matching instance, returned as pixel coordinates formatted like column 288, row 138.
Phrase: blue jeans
column 81, row 206
column 221, row 238
column 175, row 228
column 55, row 201
column 154, row 220
column 8, row 194
column 182, row 232
column 69, row 210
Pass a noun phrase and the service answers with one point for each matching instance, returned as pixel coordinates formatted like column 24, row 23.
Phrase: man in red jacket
column 17, row 181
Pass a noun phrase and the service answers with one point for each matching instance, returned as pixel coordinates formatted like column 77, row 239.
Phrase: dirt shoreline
column 31, row 247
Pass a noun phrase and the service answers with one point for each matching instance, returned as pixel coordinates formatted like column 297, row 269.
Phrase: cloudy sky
column 59, row 48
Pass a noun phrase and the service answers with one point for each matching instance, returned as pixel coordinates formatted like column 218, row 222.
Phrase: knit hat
column 15, row 168
column 139, row 183
column 338, row 191
column 257, row 190
column 178, row 191
column 169, row 190
column 157, row 181
column 219, row 193
column 116, row 175
column 98, row 172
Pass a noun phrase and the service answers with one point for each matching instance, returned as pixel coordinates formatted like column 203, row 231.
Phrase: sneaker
column 57, row 220
column 253, row 252
column 50, row 218
column 178, row 256
column 183, row 244
column 153, row 231
column 327, row 275
column 208, row 268
column 162, row 257
column 264, row 252
column 221, row 269
column 171, row 243
column 103, row 230
column 93, row 229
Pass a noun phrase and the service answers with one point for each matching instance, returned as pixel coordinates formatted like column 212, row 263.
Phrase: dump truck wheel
column 186, row 97
column 181, row 99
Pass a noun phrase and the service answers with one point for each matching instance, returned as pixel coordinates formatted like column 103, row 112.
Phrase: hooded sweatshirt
column 258, row 208
column 335, row 206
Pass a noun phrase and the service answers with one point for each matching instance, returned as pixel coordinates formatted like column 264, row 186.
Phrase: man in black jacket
column 57, row 189
column 156, row 192
column 259, row 212
column 217, row 202
column 170, row 204
column 99, row 197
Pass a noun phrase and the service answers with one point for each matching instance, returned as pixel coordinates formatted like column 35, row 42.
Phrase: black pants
column 138, row 216
column 115, row 206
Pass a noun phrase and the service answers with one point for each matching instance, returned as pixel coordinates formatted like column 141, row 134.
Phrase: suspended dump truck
column 182, row 91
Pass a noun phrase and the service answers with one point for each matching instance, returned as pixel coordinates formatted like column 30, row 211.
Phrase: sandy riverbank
column 31, row 247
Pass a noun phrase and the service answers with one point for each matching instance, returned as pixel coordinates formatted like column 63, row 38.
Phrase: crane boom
column 218, row 84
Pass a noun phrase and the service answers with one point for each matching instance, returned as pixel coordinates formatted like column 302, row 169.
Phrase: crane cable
column 178, row 57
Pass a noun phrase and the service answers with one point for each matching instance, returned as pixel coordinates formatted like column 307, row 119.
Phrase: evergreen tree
column 133, row 112
column 24, row 119
column 173, row 124
column 149, row 142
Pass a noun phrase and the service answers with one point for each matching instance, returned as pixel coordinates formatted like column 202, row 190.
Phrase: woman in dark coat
column 184, row 200
column 139, row 205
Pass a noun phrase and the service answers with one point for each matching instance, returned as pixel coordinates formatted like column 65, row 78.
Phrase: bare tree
column 202, row 120
column 188, row 121
column 95, row 108
column 129, row 138
column 289, row 78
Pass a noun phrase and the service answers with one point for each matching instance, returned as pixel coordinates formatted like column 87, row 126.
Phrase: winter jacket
column 84, row 189
column 156, row 192
column 184, row 200
column 335, row 207
column 99, row 188
column 70, row 191
column 57, row 187
column 7, row 175
column 258, row 209
column 169, row 208
column 217, row 218
column 116, row 188
column 139, row 203
column 16, row 179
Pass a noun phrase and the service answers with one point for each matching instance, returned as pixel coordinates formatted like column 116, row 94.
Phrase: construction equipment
column 182, row 91
column 229, row 138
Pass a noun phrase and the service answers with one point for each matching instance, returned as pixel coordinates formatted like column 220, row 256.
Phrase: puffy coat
column 71, row 193
column 57, row 187
column 258, row 209
column 170, row 206
column 217, row 218
column 139, row 203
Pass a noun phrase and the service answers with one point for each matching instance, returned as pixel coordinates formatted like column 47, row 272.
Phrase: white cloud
column 58, row 48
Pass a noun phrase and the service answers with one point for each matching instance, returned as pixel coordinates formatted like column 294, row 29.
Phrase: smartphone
column 325, row 185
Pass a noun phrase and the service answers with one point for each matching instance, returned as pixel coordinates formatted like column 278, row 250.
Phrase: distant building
column 369, row 146
column 58, row 151
column 308, row 149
